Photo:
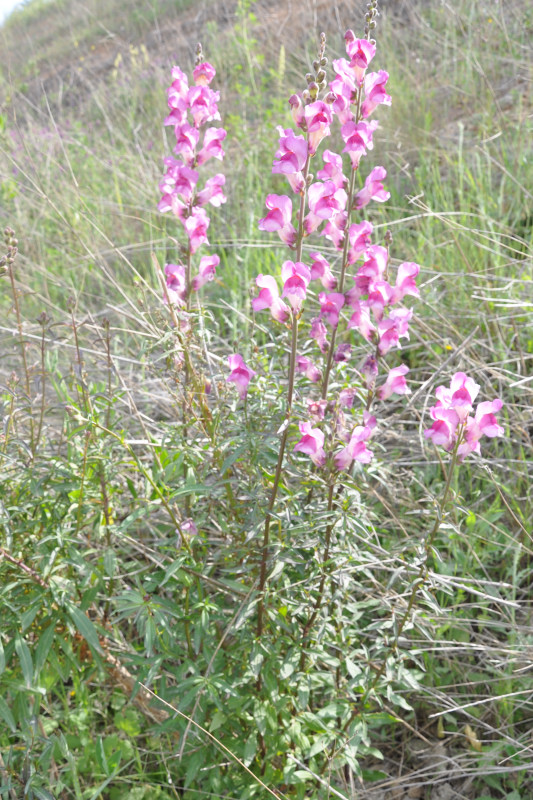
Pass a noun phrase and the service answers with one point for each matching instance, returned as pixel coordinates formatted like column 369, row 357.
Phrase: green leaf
column 26, row 663
column 42, row 794
column 7, row 716
column 250, row 749
column 84, row 626
column 218, row 719
column 43, row 647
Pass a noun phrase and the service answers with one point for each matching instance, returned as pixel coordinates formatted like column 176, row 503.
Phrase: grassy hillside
column 426, row 648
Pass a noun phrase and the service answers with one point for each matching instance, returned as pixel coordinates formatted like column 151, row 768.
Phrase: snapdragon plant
column 340, row 308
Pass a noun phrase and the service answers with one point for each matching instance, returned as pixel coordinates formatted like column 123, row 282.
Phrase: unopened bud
column 388, row 238
column 372, row 25
column 313, row 90
column 316, row 65
column 309, row 77
column 320, row 76
column 323, row 61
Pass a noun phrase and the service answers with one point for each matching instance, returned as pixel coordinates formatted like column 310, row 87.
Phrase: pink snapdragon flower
column 306, row 366
column 311, row 443
column 332, row 169
column 344, row 94
column 295, row 277
column 358, row 138
column 484, row 423
column 330, row 307
column 177, row 94
column 345, row 75
column 395, row 383
column 460, row 395
column 405, row 282
column 359, row 236
column 269, row 297
column 212, row 191
column 279, row 218
column 178, row 179
column 372, row 270
column 356, row 450
column 318, row 117
column 451, row 415
column 292, row 156
column 320, row 269
column 442, row 432
column 212, row 145
column 360, row 320
column 342, row 353
column 319, row 332
column 373, row 189
column 240, row 374
column 203, row 73
column 203, row 104
column 186, row 141
column 196, row 226
column 188, row 527
column 334, row 229
column 394, row 328
column 317, row 409
column 325, row 200
column 361, row 52
column 347, row 397
column 180, row 84
column 206, row 271
column 379, row 296
column 176, row 284
column 375, row 93
column 370, row 370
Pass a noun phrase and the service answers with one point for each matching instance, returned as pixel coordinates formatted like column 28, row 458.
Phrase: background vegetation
column 98, row 590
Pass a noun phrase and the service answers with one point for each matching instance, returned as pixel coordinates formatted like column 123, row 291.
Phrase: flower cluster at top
column 454, row 427
column 358, row 289
column 192, row 108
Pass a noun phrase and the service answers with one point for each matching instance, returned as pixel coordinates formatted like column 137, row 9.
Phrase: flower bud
column 316, row 65
column 320, row 76
column 309, row 77
column 323, row 62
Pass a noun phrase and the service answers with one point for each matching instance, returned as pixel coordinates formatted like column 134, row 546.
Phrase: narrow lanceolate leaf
column 85, row 627
column 7, row 716
column 26, row 663
column 43, row 648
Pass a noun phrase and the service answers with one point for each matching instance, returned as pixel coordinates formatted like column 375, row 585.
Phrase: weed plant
column 210, row 584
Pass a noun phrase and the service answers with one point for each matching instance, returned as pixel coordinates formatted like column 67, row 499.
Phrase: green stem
column 344, row 265
column 320, row 596
column 288, row 412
